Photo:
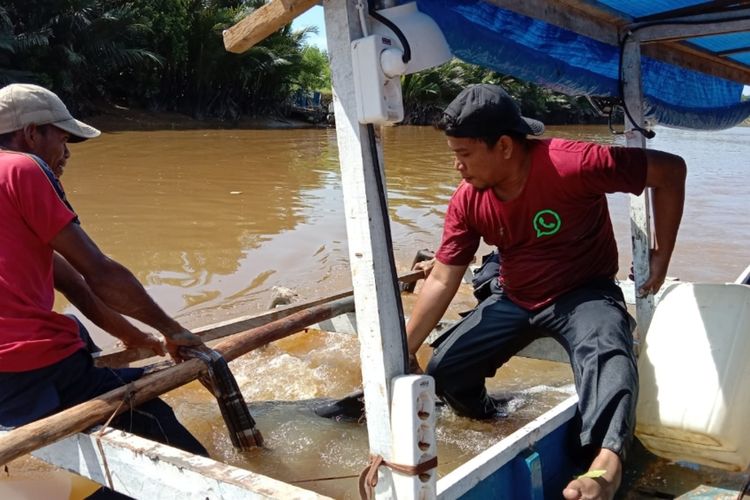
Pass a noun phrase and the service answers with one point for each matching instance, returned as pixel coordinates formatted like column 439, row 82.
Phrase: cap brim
column 78, row 130
column 535, row 126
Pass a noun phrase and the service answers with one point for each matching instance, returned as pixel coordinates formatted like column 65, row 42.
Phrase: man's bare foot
column 596, row 488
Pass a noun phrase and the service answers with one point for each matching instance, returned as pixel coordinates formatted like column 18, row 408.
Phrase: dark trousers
column 592, row 324
column 31, row 395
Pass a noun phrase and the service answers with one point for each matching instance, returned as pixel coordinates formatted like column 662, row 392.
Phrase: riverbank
column 120, row 119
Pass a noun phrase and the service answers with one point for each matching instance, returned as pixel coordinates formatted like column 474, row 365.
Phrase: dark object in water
column 350, row 408
column 222, row 384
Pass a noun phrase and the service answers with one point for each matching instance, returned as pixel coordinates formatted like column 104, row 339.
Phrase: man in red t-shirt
column 543, row 204
column 44, row 366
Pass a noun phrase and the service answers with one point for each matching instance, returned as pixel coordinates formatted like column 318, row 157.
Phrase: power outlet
column 379, row 99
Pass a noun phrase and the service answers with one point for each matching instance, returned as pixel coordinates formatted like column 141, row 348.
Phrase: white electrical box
column 414, row 442
column 379, row 99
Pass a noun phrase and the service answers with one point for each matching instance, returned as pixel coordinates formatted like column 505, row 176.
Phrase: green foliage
column 315, row 71
column 158, row 54
column 79, row 48
column 12, row 46
column 428, row 92
column 169, row 55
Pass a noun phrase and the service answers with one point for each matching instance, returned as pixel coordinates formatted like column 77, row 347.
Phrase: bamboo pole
column 121, row 357
column 117, row 358
column 29, row 437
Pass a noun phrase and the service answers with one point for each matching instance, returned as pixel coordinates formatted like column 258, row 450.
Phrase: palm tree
column 80, row 49
column 12, row 46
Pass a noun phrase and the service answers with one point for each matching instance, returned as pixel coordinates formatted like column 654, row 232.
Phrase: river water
column 210, row 220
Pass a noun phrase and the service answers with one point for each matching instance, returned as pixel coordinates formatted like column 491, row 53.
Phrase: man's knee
column 157, row 421
column 435, row 371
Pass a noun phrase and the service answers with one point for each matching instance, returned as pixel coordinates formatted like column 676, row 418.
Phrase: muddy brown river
column 211, row 220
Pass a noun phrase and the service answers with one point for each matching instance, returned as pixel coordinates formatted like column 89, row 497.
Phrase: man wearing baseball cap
column 44, row 365
column 542, row 203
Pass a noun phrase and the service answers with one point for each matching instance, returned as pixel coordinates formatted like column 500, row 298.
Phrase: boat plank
column 142, row 468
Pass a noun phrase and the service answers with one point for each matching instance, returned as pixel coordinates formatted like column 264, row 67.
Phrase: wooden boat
column 531, row 463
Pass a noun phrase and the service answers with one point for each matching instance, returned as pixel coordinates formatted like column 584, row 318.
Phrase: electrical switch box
column 379, row 99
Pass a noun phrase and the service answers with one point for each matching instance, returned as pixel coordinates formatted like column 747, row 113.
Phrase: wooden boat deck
column 649, row 476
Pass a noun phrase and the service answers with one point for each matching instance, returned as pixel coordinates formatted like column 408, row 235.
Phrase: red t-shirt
column 32, row 213
column 556, row 235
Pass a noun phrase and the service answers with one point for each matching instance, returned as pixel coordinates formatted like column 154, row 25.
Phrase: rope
column 330, row 478
column 368, row 479
column 98, row 435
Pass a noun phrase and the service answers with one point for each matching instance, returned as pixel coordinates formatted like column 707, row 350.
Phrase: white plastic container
column 694, row 369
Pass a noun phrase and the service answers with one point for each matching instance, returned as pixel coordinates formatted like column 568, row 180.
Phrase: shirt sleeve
column 611, row 169
column 460, row 241
column 39, row 204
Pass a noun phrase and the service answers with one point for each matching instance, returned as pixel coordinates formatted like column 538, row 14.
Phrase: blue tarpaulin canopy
column 541, row 42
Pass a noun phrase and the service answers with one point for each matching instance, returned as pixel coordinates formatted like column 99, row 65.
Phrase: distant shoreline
column 120, row 119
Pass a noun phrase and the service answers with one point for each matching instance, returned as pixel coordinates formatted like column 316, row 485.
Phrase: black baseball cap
column 484, row 109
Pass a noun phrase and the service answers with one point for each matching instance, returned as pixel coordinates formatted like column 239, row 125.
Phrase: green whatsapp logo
column 546, row 223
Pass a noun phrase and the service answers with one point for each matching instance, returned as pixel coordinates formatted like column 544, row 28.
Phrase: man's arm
column 117, row 287
column 71, row 284
column 666, row 176
column 436, row 294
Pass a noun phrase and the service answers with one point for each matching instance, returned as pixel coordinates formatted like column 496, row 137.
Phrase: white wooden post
column 381, row 330
column 640, row 213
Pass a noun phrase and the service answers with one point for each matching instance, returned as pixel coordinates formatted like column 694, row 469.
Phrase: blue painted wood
column 533, row 462
column 534, row 474
column 704, row 492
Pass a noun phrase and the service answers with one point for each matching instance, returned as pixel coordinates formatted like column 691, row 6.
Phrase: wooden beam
column 691, row 27
column 121, row 357
column 29, row 437
column 116, row 358
column 640, row 210
column 141, row 468
column 668, row 43
column 689, row 57
column 263, row 22
column 569, row 15
column 701, row 8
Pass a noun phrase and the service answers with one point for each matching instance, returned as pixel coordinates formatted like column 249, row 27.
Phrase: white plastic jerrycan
column 694, row 368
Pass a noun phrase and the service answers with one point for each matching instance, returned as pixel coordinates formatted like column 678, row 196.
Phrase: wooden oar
column 262, row 22
column 121, row 357
column 28, row 438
